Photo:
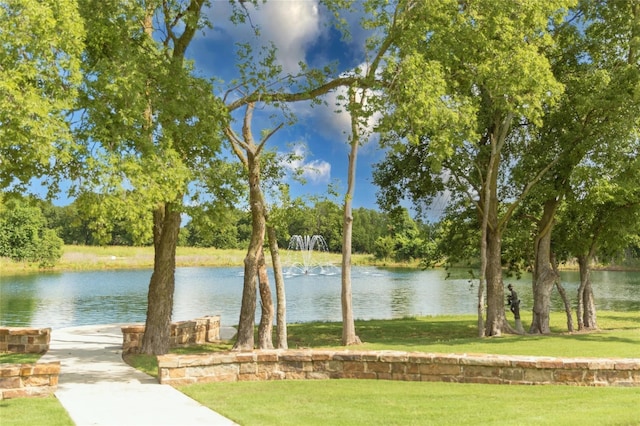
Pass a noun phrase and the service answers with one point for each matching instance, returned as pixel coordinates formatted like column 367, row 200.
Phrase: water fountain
column 302, row 247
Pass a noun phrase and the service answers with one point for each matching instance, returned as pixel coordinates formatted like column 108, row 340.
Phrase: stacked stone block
column 24, row 339
column 391, row 365
column 28, row 380
column 183, row 333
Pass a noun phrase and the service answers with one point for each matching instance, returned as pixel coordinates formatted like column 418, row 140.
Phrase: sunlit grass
column 14, row 358
column 619, row 336
column 33, row 411
column 378, row 402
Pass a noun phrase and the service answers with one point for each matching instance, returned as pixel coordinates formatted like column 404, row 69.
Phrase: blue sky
column 301, row 31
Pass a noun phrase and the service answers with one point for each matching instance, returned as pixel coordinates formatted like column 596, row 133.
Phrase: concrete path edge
column 97, row 387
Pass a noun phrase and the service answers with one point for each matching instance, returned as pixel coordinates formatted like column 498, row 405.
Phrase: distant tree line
column 388, row 236
column 35, row 230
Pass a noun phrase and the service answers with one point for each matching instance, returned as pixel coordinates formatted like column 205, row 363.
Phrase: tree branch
column 292, row 97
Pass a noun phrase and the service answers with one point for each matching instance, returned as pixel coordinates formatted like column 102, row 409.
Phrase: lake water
column 82, row 298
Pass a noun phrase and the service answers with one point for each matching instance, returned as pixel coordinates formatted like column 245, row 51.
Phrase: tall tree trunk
column 349, row 336
column 166, row 217
column 166, row 227
column 586, row 311
column 255, row 254
column 265, row 329
column 544, row 274
column 485, row 196
column 246, row 323
column 281, row 300
column 496, row 322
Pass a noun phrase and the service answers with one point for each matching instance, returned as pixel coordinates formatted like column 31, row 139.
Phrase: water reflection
column 81, row 298
column 400, row 299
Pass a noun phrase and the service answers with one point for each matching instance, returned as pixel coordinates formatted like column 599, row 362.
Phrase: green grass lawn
column 365, row 402
column 619, row 336
column 368, row 402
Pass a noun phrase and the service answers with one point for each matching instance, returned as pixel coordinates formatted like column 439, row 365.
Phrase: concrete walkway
column 97, row 388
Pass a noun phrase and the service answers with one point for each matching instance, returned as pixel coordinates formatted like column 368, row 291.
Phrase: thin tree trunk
column 563, row 295
column 544, row 274
column 349, row 336
column 483, row 260
column 586, row 311
column 166, row 228
column 484, row 204
column 265, row 329
column 281, row 300
column 590, row 317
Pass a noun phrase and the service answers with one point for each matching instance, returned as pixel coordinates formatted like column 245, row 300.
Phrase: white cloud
column 315, row 171
column 292, row 25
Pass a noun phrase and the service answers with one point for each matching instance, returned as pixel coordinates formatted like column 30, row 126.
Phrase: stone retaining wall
column 24, row 339
column 28, row 380
column 390, row 365
column 183, row 333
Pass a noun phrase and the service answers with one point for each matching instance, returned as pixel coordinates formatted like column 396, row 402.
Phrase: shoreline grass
column 85, row 258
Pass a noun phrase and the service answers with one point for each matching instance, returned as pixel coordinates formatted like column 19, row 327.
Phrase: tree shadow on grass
column 459, row 335
column 396, row 332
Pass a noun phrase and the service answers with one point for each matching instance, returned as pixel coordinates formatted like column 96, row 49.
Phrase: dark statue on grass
column 514, row 306
column 513, row 302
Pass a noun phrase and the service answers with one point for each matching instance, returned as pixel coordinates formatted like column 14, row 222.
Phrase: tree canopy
column 40, row 47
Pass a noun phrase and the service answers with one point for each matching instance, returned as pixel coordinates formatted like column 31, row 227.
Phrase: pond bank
column 88, row 258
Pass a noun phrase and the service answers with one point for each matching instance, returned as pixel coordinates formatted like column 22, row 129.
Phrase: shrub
column 24, row 236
